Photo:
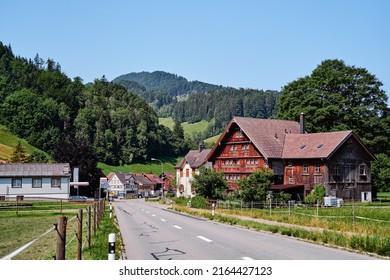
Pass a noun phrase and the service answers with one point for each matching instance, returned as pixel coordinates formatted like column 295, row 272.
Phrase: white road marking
column 204, row 238
column 153, row 215
column 176, row 226
column 247, row 258
column 163, row 220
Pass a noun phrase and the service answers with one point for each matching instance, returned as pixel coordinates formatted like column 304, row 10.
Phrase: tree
column 19, row 155
column 254, row 187
column 209, row 183
column 340, row 97
column 380, row 170
column 316, row 195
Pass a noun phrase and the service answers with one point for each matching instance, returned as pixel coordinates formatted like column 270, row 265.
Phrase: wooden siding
column 237, row 158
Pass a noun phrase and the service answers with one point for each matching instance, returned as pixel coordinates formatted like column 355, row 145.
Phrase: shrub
column 182, row 201
column 199, row 202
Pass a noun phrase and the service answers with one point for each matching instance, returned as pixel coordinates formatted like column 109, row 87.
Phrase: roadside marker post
column 111, row 246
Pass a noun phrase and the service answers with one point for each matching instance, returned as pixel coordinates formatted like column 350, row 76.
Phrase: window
column 290, row 179
column 55, row 182
column 187, row 173
column 305, row 168
column 362, row 170
column 37, row 183
column 16, row 183
column 239, row 134
column 317, row 169
column 336, row 169
column 233, row 148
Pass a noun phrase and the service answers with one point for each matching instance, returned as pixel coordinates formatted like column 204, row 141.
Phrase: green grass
column 152, row 167
column 212, row 140
column 168, row 122
column 17, row 230
column 189, row 128
column 8, row 142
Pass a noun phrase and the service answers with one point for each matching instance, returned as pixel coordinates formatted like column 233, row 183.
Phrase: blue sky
column 250, row 44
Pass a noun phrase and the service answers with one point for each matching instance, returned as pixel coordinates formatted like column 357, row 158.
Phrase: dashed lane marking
column 204, row 238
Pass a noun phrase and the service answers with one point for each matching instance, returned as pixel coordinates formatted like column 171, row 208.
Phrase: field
column 8, row 142
column 152, row 167
column 34, row 222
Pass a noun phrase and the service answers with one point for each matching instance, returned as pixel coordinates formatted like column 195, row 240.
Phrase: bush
column 199, row 202
column 182, row 201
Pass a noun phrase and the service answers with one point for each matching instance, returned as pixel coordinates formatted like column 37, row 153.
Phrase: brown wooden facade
column 237, row 158
column 337, row 160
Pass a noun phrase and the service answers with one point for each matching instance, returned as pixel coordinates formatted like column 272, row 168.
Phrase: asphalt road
column 151, row 232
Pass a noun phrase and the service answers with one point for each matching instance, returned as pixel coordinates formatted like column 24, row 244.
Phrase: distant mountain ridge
column 184, row 101
column 165, row 82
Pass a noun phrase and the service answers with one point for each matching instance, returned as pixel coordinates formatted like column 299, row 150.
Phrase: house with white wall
column 187, row 168
column 48, row 180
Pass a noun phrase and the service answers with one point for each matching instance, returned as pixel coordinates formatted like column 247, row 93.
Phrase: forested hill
column 185, row 101
column 77, row 123
column 171, row 84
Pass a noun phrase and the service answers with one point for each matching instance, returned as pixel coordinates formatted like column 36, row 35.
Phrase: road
column 151, row 232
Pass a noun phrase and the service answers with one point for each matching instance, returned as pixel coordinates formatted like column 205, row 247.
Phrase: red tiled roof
column 313, row 145
column 194, row 158
column 267, row 135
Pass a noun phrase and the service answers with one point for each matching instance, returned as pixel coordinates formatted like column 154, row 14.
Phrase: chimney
column 302, row 126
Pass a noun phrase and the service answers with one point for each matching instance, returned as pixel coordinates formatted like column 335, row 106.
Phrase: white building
column 49, row 180
column 187, row 168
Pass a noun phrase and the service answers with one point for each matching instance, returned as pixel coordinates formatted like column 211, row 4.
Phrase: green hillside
column 151, row 167
column 189, row 128
column 8, row 142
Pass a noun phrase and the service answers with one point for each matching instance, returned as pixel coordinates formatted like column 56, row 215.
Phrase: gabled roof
column 317, row 145
column 266, row 135
column 154, row 178
column 35, row 169
column 194, row 158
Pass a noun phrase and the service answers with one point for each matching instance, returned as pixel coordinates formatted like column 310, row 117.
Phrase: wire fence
column 353, row 211
column 68, row 236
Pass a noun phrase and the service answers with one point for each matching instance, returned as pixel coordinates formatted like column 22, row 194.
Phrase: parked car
column 78, row 197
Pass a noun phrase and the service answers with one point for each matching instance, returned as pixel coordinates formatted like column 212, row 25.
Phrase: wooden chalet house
column 337, row 160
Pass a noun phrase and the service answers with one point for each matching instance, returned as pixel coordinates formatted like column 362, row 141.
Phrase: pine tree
column 19, row 155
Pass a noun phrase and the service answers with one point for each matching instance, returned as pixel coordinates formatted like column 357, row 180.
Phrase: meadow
column 34, row 222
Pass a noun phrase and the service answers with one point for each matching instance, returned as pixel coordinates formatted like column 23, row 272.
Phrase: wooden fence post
column 79, row 233
column 61, row 237
column 94, row 219
column 89, row 227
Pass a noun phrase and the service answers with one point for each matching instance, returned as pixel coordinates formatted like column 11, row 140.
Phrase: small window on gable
column 362, row 170
column 239, row 134
column 336, row 169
